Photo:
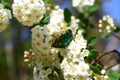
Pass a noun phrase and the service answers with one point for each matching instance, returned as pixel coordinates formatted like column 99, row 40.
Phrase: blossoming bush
column 59, row 48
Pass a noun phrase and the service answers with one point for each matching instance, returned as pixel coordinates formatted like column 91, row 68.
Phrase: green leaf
column 114, row 76
column 90, row 47
column 56, row 76
column 63, row 40
column 67, row 15
column 92, row 41
column 95, row 70
column 94, row 53
column 45, row 19
column 89, row 58
column 7, row 5
column 99, row 67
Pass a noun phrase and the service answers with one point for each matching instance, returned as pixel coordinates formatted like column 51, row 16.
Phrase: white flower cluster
column 75, row 71
column 42, row 42
column 5, row 15
column 107, row 23
column 81, row 4
column 40, row 73
column 73, row 64
column 43, row 37
column 28, row 12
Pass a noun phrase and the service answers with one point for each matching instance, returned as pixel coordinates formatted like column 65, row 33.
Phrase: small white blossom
column 74, row 48
column 83, row 68
column 108, row 22
column 103, row 71
column 81, row 4
column 50, row 29
column 5, row 15
column 85, row 52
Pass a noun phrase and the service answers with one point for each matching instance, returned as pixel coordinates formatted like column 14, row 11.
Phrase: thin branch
column 111, row 64
column 101, row 55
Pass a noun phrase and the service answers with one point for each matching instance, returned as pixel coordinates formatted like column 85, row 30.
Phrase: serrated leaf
column 99, row 67
column 63, row 40
column 89, row 46
column 67, row 15
column 94, row 53
column 89, row 58
column 56, row 76
column 95, row 70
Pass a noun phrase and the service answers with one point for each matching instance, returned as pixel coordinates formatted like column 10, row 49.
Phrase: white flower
column 75, row 3
column 57, row 11
column 74, row 48
column 81, row 42
column 37, row 33
column 28, row 12
column 88, row 2
column 85, row 52
column 5, row 15
column 103, row 71
column 69, row 68
column 73, row 27
column 81, row 4
column 83, row 69
column 50, row 29
column 57, row 18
